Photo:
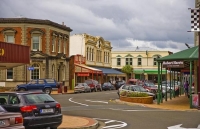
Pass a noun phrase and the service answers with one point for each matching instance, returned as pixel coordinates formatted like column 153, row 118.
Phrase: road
column 115, row 115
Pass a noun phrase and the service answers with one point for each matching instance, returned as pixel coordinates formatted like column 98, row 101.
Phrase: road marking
column 119, row 124
column 97, row 101
column 77, row 102
column 111, row 93
column 179, row 127
column 139, row 110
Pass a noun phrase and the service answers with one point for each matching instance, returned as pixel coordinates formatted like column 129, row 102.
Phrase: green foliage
column 133, row 94
column 127, row 69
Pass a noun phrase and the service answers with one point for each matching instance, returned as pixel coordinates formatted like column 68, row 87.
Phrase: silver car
column 10, row 120
column 134, row 88
column 81, row 87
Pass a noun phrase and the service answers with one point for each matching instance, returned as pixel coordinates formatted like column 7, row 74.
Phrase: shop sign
column 173, row 64
column 83, row 74
column 2, row 51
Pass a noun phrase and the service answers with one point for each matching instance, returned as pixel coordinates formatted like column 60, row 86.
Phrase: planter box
column 145, row 100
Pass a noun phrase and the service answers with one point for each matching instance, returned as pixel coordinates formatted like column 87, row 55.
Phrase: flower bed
column 144, row 100
column 136, row 97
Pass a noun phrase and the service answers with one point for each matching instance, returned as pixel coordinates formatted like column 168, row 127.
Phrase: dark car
column 107, row 86
column 118, row 84
column 94, row 85
column 39, row 110
column 46, row 85
column 10, row 120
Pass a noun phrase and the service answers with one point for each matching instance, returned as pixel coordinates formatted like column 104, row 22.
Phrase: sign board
column 195, row 100
column 30, row 68
column 83, row 74
column 173, row 64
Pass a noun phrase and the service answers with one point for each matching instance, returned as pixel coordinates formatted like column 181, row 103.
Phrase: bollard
column 65, row 89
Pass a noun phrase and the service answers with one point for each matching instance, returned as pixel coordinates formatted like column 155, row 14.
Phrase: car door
column 41, row 84
column 32, row 85
column 13, row 103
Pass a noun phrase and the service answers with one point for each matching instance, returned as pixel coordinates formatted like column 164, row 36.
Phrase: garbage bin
column 65, row 89
column 60, row 88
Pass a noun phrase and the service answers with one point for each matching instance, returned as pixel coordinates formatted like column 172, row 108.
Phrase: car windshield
column 140, row 88
column 38, row 98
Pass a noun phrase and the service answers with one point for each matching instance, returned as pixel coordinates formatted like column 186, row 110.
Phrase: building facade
column 97, row 54
column 49, row 50
column 142, row 60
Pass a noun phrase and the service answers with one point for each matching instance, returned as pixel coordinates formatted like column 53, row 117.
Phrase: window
column 36, row 42
column 92, row 54
column 10, row 38
column 65, row 45
column 87, row 56
column 9, row 75
column 53, row 44
column 129, row 61
column 40, row 81
column 35, row 74
column 139, row 61
column 59, row 46
column 118, row 61
column 154, row 61
column 108, row 57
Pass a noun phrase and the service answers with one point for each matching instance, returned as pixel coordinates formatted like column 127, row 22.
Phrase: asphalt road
column 117, row 115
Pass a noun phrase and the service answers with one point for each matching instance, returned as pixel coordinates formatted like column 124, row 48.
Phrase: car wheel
column 47, row 90
column 22, row 89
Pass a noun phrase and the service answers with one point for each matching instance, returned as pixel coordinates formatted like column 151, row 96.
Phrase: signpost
column 31, row 68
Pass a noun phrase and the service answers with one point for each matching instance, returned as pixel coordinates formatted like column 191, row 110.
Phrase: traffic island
column 144, row 100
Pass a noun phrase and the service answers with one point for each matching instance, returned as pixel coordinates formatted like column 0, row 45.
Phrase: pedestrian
column 186, row 86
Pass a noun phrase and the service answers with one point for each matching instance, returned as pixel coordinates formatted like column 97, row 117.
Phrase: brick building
column 49, row 44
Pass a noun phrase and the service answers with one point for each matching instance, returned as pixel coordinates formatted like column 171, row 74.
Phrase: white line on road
column 97, row 101
column 77, row 102
column 116, row 124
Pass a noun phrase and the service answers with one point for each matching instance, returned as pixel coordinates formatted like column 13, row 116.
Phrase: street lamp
column 187, row 45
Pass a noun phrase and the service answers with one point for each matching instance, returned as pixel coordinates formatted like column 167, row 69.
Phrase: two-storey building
column 142, row 60
column 49, row 49
column 97, row 55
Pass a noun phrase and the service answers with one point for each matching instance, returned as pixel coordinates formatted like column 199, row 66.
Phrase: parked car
column 107, row 86
column 118, row 84
column 134, row 88
column 46, row 85
column 10, row 120
column 94, row 85
column 150, row 87
column 39, row 110
column 81, row 87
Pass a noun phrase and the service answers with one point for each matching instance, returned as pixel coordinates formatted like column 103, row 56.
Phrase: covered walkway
column 178, row 62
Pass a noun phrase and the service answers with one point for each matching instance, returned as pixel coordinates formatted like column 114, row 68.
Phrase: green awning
column 188, row 54
column 148, row 71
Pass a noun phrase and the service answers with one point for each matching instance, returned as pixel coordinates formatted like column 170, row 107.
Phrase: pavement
column 180, row 103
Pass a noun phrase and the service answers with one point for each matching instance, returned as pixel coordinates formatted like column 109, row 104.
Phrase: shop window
column 118, row 61
column 35, row 74
column 9, row 74
column 139, row 61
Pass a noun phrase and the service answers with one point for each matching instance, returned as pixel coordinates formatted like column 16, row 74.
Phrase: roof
column 188, row 54
column 134, row 49
column 108, row 70
column 34, row 21
column 87, row 67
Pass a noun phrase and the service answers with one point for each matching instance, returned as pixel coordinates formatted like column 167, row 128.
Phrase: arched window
column 35, row 74
column 36, row 39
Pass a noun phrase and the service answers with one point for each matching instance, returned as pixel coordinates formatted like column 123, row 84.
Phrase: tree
column 128, row 70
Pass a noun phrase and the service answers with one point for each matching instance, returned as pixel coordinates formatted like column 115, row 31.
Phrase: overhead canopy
column 109, row 70
column 81, row 68
column 188, row 54
column 148, row 71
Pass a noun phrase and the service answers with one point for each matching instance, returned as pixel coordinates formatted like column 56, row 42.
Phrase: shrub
column 133, row 94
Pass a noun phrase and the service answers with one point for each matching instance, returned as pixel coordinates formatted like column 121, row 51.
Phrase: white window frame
column 59, row 45
column 130, row 61
column 13, row 36
column 39, row 43
column 154, row 61
column 53, row 44
column 138, row 61
column 65, row 45
column 35, row 68
column 119, row 61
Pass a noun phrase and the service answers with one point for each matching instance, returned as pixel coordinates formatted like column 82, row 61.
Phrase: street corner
column 76, row 122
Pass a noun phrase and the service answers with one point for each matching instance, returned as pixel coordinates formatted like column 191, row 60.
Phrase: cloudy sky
column 160, row 24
